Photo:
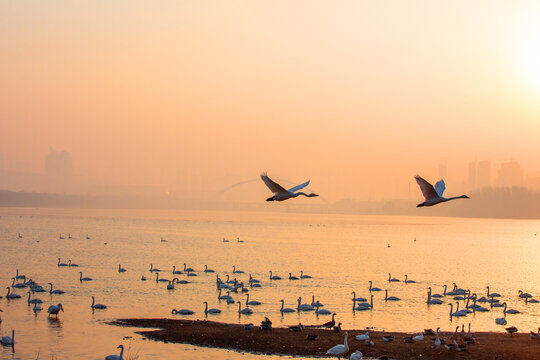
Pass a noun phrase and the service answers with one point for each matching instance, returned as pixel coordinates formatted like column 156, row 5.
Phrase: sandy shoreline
column 284, row 342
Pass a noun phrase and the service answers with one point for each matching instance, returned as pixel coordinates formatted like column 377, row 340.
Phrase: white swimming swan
column 70, row 264
column 510, row 311
column 434, row 195
column 245, row 311
column 56, row 291
column 162, row 280
column 280, row 193
column 357, row 298
column 303, row 307
column 371, row 288
column 152, row 269
column 81, row 278
column 437, row 296
column 407, row 281
column 292, row 277
column 274, row 277
column 8, row 340
column 431, row 301
column 302, row 276
column 252, row 302
column 236, row 271
column 207, row 270
column 121, row 269
column 117, row 357
column 457, row 313
column 210, row 311
column 391, row 298
column 285, row 310
column 10, row 295
column 182, row 312
column 188, row 269
column 492, row 294
column 315, row 303
column 175, row 272
column 61, row 264
column 33, row 301
column 97, row 306
column 340, row 349
column 357, row 355
column 322, row 311
column 391, row 279
column 363, row 305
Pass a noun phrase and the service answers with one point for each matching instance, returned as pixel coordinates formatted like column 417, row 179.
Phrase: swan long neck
column 121, row 350
column 8, row 291
column 93, row 301
column 29, row 297
column 282, row 304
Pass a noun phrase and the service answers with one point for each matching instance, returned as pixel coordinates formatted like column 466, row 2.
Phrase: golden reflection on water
column 341, row 252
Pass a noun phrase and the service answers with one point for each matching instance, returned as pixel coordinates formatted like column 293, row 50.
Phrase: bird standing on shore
column 340, row 349
column 434, row 195
column 280, row 194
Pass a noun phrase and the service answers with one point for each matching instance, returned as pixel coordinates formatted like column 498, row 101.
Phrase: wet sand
column 282, row 341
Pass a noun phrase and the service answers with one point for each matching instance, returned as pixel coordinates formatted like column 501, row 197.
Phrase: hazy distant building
column 58, row 169
column 483, row 174
column 442, row 171
column 472, row 176
column 510, row 174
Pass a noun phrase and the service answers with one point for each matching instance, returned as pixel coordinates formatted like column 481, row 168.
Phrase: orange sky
column 356, row 96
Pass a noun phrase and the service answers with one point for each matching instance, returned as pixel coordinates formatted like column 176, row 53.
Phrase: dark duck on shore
column 296, row 328
column 330, row 324
column 337, row 329
column 511, row 330
column 266, row 324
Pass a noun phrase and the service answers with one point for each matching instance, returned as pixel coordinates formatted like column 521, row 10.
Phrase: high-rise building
column 472, row 176
column 483, row 174
column 510, row 174
column 58, row 167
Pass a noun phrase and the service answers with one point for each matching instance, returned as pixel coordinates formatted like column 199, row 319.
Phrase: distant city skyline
column 57, row 176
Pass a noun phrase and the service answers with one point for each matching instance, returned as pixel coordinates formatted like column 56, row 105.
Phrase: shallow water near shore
column 341, row 253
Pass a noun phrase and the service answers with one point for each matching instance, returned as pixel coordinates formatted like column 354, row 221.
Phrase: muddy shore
column 282, row 341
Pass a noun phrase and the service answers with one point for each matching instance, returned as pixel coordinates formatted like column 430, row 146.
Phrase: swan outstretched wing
column 427, row 189
column 273, row 186
column 440, row 187
column 298, row 187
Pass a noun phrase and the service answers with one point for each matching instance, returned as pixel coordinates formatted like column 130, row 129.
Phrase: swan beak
column 270, row 199
column 420, row 205
column 466, row 197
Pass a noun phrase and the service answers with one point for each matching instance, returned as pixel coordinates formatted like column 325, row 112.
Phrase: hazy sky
column 357, row 96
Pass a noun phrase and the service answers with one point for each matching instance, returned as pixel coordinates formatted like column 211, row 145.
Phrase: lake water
column 341, row 252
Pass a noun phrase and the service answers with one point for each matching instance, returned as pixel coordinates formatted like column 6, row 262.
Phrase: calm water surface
column 341, row 252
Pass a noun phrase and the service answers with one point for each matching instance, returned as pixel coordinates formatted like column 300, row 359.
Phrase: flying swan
column 434, row 195
column 280, row 193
